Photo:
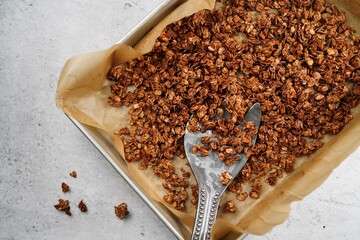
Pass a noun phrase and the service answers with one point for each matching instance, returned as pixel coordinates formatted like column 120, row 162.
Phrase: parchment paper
column 83, row 91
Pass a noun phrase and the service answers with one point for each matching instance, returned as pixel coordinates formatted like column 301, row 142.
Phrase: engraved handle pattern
column 208, row 203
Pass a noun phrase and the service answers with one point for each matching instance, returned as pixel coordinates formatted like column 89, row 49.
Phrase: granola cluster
column 225, row 178
column 64, row 187
column 229, row 207
column 297, row 58
column 121, row 211
column 63, row 206
column 82, row 206
column 73, row 174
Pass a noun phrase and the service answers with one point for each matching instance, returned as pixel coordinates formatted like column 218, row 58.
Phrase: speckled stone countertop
column 39, row 146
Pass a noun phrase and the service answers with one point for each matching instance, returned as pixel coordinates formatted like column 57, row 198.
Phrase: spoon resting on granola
column 212, row 172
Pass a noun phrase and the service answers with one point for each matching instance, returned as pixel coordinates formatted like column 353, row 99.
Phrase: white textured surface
column 39, row 146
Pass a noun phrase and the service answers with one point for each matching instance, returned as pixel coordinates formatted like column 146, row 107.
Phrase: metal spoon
column 207, row 171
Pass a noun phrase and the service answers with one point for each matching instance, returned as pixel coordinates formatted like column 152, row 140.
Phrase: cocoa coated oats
column 298, row 59
column 63, row 206
column 82, row 206
column 229, row 207
column 121, row 211
column 225, row 178
column 64, row 187
column 73, row 174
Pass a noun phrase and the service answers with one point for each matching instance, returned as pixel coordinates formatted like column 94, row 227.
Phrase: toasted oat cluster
column 121, row 211
column 225, row 178
column 229, row 207
column 73, row 174
column 63, row 206
column 297, row 58
column 64, row 187
column 82, row 206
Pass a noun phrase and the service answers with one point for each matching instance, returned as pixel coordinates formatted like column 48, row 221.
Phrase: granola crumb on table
column 64, row 187
column 63, row 206
column 298, row 59
column 82, row 206
column 121, row 211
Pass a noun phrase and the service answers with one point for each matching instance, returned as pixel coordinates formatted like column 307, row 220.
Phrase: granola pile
column 297, row 58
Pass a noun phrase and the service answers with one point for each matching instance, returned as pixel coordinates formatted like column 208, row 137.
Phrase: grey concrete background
column 39, row 146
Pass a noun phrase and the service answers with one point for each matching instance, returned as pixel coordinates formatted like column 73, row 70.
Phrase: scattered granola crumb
column 65, row 187
column 63, row 206
column 229, row 207
column 82, row 206
column 73, row 174
column 225, row 178
column 121, row 210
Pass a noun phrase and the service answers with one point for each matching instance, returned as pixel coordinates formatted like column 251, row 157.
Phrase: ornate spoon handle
column 208, row 202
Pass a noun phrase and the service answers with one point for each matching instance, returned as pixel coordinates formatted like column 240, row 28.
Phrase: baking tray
column 105, row 145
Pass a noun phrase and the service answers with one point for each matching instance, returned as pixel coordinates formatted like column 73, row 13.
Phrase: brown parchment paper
column 82, row 93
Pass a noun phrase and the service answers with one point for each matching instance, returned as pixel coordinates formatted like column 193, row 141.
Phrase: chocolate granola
column 299, row 59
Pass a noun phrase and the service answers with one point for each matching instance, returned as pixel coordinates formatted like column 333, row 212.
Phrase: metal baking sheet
column 104, row 144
